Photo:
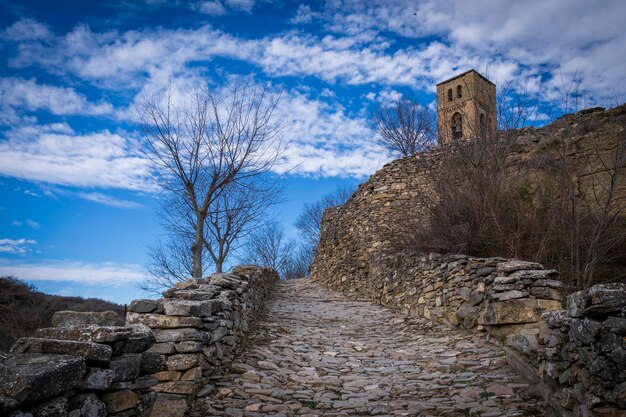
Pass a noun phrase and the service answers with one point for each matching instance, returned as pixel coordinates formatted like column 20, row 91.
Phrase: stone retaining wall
column 577, row 358
column 92, row 364
column 460, row 290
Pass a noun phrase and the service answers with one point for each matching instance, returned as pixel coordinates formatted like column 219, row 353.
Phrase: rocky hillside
column 23, row 309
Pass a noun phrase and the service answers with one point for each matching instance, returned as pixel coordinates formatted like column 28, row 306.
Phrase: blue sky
column 77, row 204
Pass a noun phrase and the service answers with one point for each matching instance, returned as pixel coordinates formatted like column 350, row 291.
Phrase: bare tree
column 235, row 213
column 406, row 127
column 310, row 220
column 203, row 144
column 268, row 247
column 299, row 263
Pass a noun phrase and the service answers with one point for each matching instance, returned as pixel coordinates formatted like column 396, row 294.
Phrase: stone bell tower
column 466, row 107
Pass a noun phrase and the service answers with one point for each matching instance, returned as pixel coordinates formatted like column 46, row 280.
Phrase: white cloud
column 556, row 36
column 108, row 200
column 22, row 94
column 221, row 7
column 15, row 246
column 55, row 155
column 32, row 224
column 26, row 29
column 86, row 273
column 304, row 15
column 324, row 141
column 445, row 37
column 214, row 7
column 243, row 5
column 449, row 37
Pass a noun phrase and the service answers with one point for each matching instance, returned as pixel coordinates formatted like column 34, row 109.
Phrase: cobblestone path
column 317, row 353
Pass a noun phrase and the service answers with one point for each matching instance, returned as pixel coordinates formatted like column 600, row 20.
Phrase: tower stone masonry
column 466, row 107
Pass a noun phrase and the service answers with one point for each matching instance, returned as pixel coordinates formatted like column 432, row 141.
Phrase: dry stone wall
column 94, row 365
column 459, row 290
column 577, row 356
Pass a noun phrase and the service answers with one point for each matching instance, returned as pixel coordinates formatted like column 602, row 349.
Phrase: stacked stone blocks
column 92, row 364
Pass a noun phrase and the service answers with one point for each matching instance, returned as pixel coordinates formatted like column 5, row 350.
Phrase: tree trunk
column 197, row 247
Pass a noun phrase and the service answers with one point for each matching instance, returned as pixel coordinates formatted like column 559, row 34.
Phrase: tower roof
column 465, row 73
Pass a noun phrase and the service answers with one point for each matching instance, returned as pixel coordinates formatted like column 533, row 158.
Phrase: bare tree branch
column 406, row 127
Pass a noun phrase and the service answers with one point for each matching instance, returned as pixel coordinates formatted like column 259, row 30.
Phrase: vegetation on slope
column 23, row 309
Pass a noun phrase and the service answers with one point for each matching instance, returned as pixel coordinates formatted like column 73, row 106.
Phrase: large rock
column 126, row 367
column 535, row 274
column 98, row 379
column 143, row 306
column 161, row 321
column 119, row 401
column 183, row 361
column 606, row 299
column 83, row 318
column 178, row 387
column 180, row 307
column 546, row 293
column 524, row 341
column 510, row 295
column 53, row 408
column 151, row 362
column 169, row 407
column 203, row 292
column 577, row 303
column 515, row 265
column 29, row 378
column 178, row 335
column 511, row 312
column 89, row 333
column 88, row 405
column 598, row 301
column 583, row 332
column 141, row 339
column 228, row 281
column 90, row 351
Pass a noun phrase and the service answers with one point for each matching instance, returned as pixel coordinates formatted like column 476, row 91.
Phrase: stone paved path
column 319, row 354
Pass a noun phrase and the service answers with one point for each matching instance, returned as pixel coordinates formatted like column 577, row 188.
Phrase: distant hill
column 23, row 309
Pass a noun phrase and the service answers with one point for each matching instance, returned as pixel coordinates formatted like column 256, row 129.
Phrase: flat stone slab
column 88, row 333
column 180, row 307
column 161, row 321
column 90, row 351
column 31, row 377
column 83, row 318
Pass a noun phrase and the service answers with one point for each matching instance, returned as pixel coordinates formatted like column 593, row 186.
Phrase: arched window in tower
column 482, row 124
column 449, row 94
column 457, row 125
column 459, row 91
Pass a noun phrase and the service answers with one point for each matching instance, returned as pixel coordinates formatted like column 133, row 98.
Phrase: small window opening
column 457, row 126
column 459, row 91
column 449, row 94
